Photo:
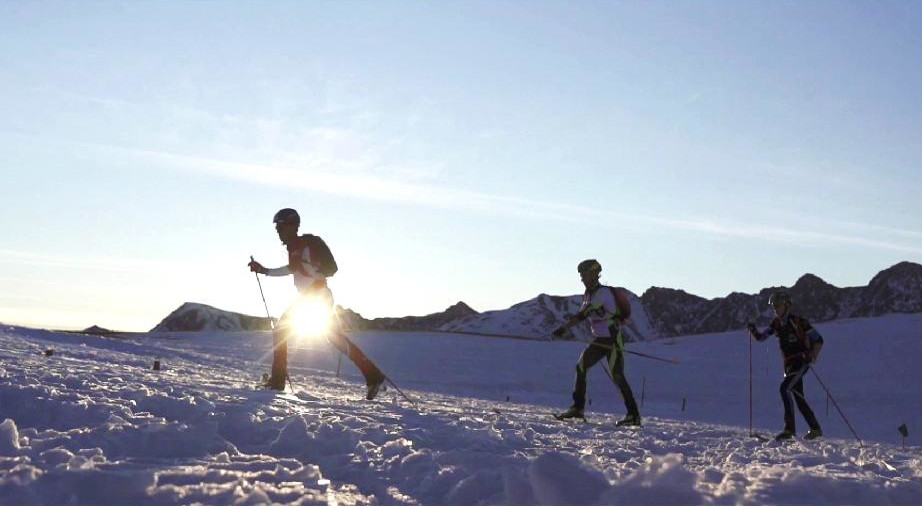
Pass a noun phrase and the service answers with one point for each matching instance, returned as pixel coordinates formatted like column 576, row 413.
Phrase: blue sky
column 470, row 151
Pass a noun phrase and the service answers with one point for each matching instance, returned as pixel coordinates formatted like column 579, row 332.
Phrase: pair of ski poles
column 817, row 376
column 288, row 377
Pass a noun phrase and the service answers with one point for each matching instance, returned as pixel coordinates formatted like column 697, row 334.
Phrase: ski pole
column 405, row 396
column 261, row 294
column 531, row 338
column 836, row 404
column 639, row 354
column 750, row 384
column 487, row 334
column 269, row 317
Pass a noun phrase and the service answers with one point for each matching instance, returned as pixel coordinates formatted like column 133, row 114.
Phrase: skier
column 310, row 262
column 607, row 308
column 800, row 347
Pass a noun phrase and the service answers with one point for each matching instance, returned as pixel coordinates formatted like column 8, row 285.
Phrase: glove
column 753, row 331
column 257, row 267
column 559, row 332
column 809, row 359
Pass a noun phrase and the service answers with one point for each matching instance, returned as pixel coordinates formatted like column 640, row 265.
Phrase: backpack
column 321, row 256
column 621, row 300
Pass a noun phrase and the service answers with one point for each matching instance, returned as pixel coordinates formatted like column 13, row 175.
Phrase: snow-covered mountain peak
column 193, row 316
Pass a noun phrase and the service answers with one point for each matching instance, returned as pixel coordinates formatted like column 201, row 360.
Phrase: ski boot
column 375, row 386
column 263, row 383
column 785, row 435
column 271, row 383
column 630, row 420
column 813, row 434
column 573, row 412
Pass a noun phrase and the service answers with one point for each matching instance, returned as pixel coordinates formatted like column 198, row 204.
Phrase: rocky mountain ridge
column 897, row 289
column 657, row 313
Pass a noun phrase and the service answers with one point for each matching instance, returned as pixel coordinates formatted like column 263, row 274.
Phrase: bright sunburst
column 310, row 317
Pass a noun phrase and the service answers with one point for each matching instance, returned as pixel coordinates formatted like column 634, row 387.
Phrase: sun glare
column 310, row 318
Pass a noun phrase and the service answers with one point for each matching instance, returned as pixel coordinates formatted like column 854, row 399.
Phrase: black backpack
column 321, row 256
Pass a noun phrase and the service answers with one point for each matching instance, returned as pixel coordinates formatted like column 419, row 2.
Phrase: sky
column 471, row 151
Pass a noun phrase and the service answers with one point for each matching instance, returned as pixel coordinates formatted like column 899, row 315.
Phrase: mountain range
column 657, row 313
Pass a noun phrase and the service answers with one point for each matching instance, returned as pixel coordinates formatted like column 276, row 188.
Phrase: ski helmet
column 287, row 216
column 589, row 266
column 778, row 298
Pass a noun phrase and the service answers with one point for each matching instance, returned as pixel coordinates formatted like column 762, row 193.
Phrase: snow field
column 94, row 425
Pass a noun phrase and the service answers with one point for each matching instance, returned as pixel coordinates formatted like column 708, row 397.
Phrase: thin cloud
column 367, row 186
column 105, row 264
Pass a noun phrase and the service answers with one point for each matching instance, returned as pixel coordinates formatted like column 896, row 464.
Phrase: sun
column 310, row 317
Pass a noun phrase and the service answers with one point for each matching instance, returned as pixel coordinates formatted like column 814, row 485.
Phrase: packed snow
column 92, row 423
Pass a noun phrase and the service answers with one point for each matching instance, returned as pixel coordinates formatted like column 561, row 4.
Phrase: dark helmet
column 591, row 266
column 778, row 298
column 287, row 216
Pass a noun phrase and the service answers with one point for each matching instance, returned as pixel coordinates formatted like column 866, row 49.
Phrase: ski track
column 92, row 424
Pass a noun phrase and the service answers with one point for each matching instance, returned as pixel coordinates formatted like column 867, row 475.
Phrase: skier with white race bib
column 607, row 308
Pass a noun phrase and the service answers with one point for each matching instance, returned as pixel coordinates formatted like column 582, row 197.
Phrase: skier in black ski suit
column 607, row 308
column 800, row 347
column 310, row 262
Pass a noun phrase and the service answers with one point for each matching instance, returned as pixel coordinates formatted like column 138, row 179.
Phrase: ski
column 562, row 417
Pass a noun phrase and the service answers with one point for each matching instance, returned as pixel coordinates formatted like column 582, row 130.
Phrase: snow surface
column 93, row 424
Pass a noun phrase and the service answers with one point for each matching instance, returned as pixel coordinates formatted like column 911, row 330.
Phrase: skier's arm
column 278, row 271
column 581, row 315
column 575, row 319
column 816, row 344
column 258, row 268
column 760, row 336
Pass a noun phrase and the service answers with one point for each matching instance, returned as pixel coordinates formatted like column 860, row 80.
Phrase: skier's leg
column 589, row 357
column 349, row 349
column 791, row 378
column 338, row 339
column 616, row 364
column 801, row 400
column 280, row 353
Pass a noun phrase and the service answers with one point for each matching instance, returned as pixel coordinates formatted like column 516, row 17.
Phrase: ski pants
column 334, row 336
column 608, row 349
column 792, row 391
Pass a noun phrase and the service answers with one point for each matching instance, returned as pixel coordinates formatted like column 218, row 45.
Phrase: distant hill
column 659, row 312
column 192, row 317
column 432, row 321
column 96, row 330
